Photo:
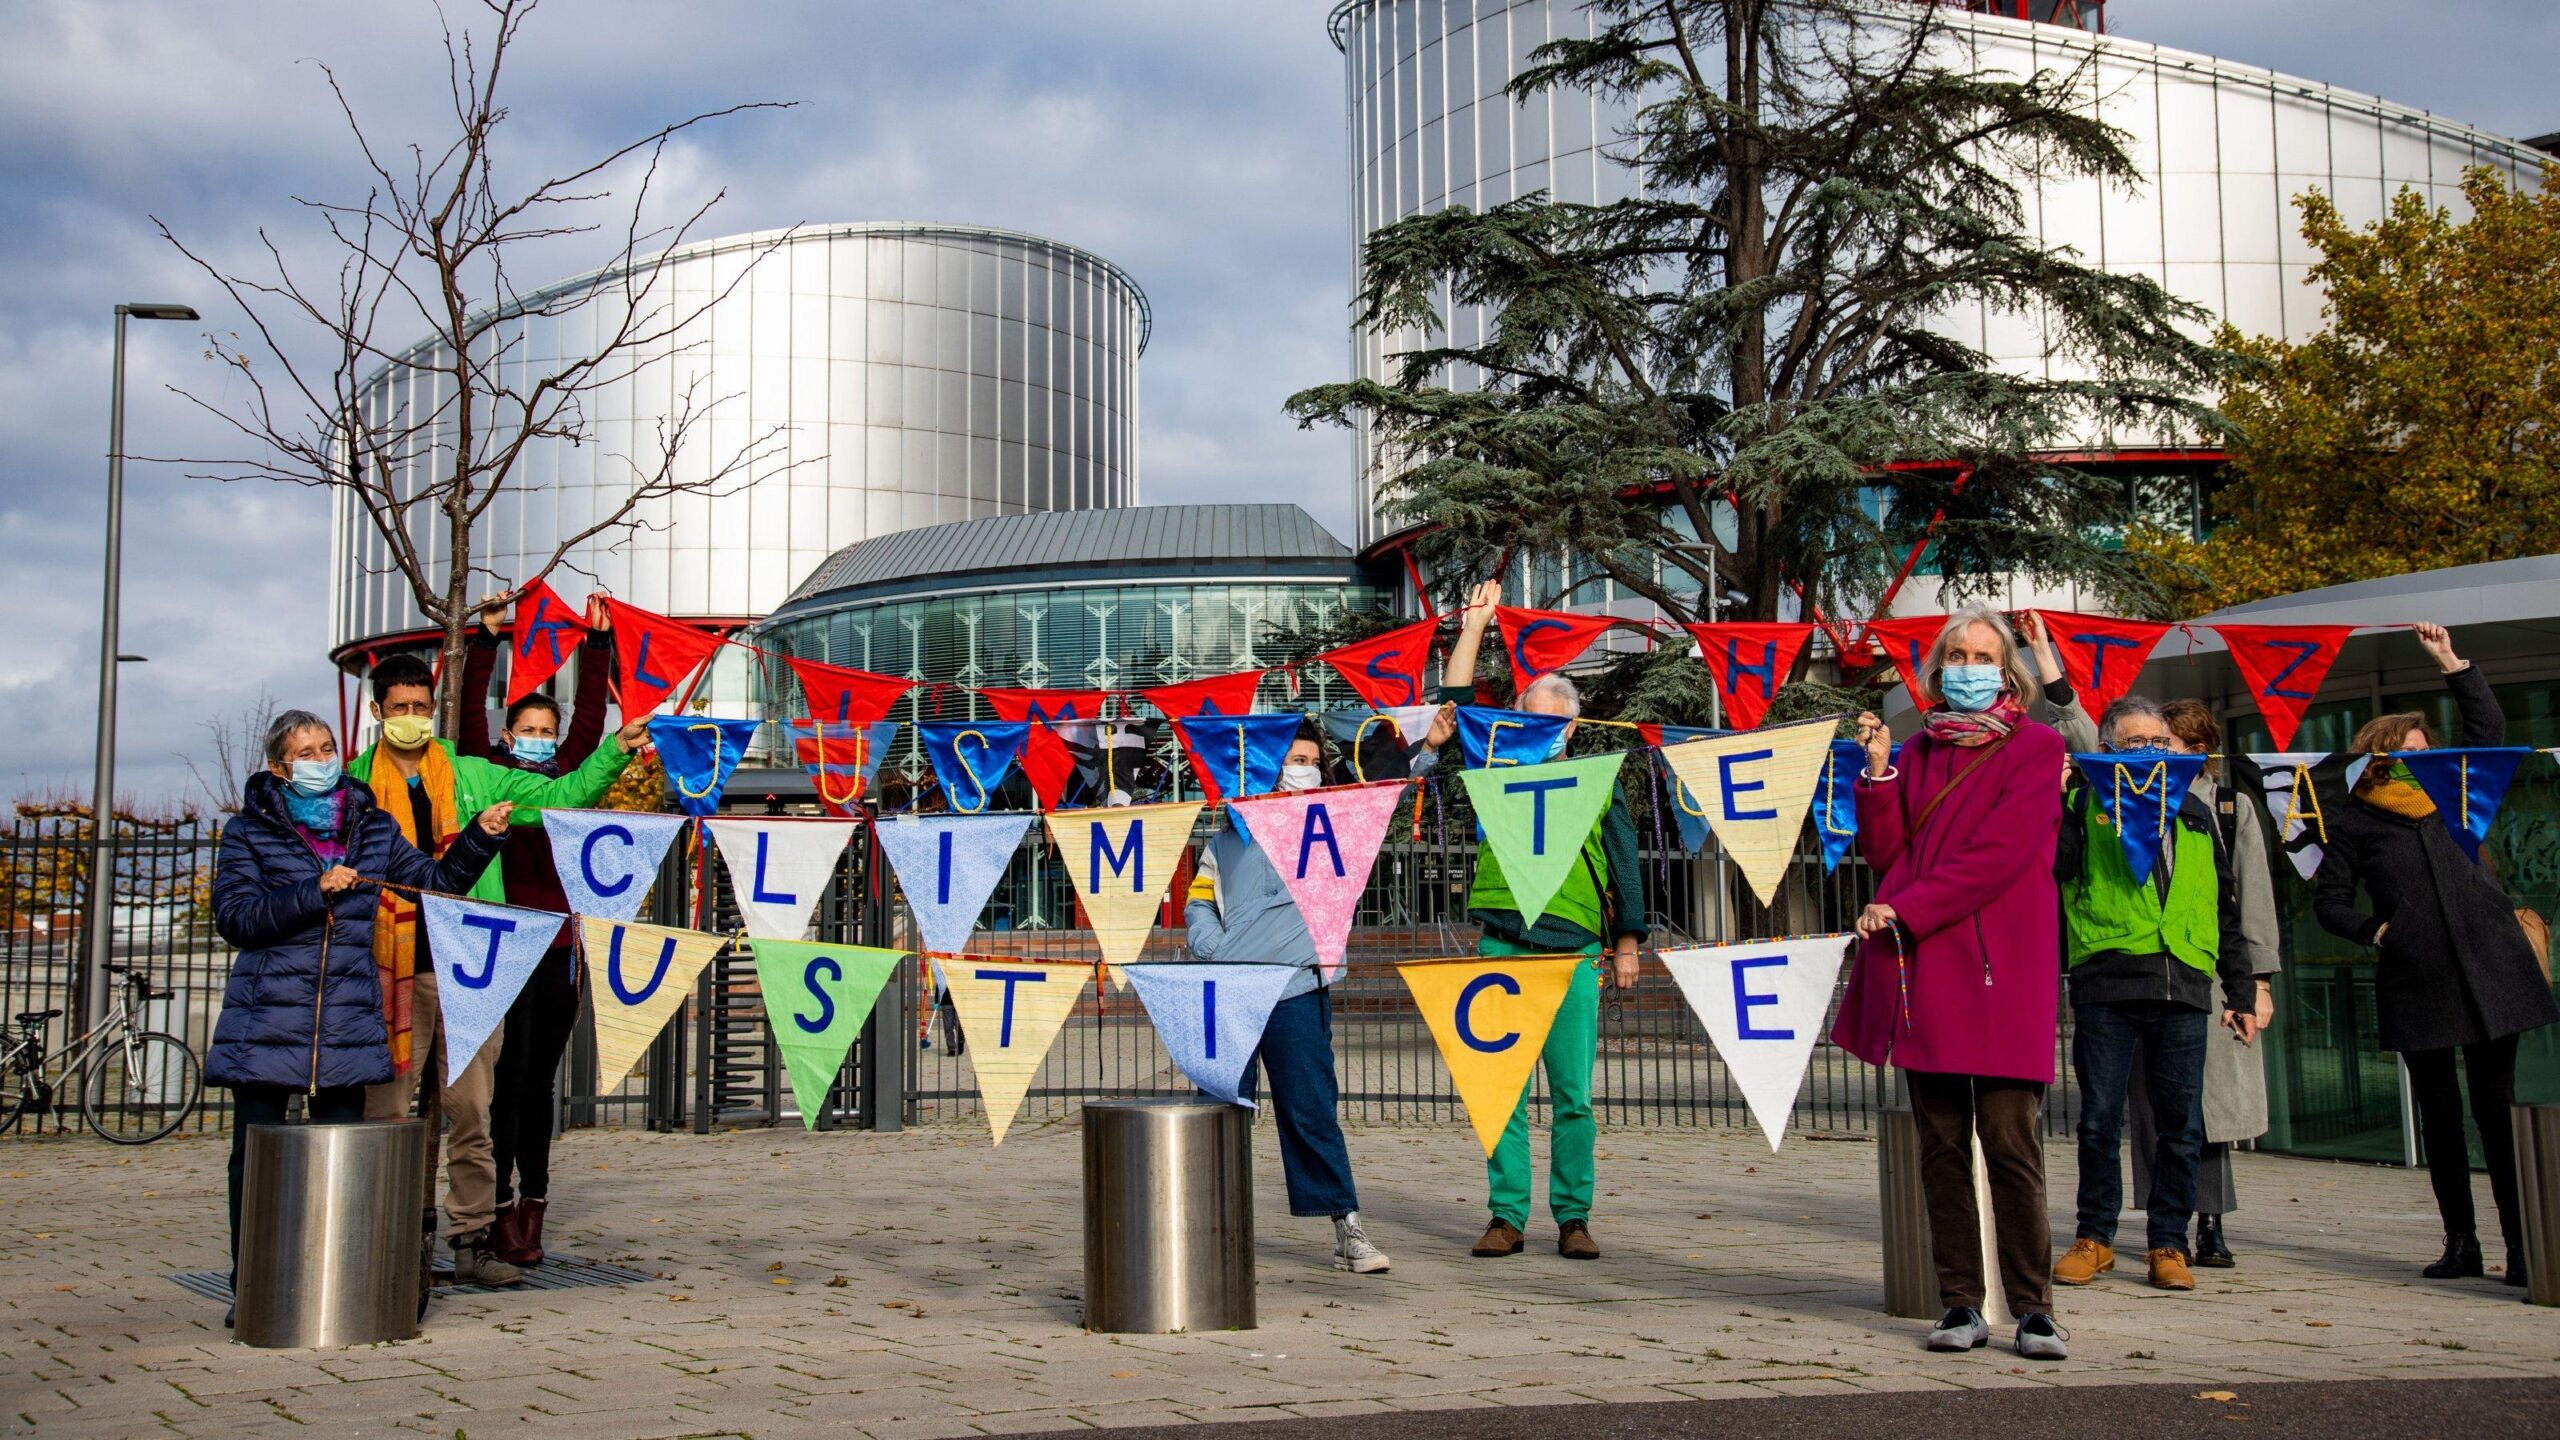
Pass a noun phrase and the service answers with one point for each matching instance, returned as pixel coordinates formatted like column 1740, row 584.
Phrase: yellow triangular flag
column 1491, row 1017
column 1010, row 1010
column 643, row 972
column 1756, row 787
column 1120, row 860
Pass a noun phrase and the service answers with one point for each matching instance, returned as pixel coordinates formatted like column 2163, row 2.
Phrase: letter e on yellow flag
column 1491, row 1017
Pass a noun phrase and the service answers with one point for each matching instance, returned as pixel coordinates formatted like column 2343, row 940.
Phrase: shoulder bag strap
column 1947, row 789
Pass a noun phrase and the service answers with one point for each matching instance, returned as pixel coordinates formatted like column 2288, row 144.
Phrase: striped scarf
column 395, row 923
column 1957, row 727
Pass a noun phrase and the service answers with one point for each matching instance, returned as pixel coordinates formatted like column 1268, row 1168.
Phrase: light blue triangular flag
column 948, row 865
column 607, row 859
column 700, row 753
column 483, row 953
column 1210, row 1017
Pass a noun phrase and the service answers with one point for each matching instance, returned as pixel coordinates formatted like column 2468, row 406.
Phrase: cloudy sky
column 1199, row 145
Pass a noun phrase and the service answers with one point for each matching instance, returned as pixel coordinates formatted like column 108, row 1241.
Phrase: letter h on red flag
column 657, row 654
column 1541, row 641
column 2101, row 654
column 1388, row 670
column 546, row 632
column 2283, row 666
column 1749, row 660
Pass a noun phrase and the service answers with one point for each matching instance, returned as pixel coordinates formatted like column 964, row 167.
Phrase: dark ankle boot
column 2461, row 1260
column 528, row 1233
column 2211, row 1252
column 2515, row 1267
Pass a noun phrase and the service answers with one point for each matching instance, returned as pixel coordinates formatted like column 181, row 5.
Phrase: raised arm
column 595, row 687
column 479, row 661
column 533, row 792
column 1458, row 677
column 2483, row 723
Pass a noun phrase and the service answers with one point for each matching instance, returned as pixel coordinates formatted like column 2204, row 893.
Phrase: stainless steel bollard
column 1910, row 1276
column 329, row 1234
column 2537, row 1129
column 1168, row 1216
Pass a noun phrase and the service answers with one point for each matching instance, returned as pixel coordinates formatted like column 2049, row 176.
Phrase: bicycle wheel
column 140, row 1090
column 20, row 1096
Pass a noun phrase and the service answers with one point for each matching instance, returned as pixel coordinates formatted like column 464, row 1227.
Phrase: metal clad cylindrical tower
column 910, row 375
column 2223, row 148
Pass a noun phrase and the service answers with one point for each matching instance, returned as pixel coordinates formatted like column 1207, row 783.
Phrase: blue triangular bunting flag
column 1835, row 802
column 1239, row 755
column 1508, row 737
column 2468, row 785
column 483, row 954
column 972, row 757
column 700, row 753
column 2139, row 793
column 608, row 859
column 1210, row 1017
column 948, row 865
column 1685, row 804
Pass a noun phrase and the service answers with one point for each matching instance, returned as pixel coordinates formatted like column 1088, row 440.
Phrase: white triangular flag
column 1762, row 1003
column 778, row 867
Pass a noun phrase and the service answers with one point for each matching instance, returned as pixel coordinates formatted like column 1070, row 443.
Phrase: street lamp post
column 98, row 924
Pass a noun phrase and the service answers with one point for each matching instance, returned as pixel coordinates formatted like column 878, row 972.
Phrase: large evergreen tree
column 1817, row 183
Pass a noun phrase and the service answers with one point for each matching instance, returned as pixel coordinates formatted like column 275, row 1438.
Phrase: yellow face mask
column 408, row 732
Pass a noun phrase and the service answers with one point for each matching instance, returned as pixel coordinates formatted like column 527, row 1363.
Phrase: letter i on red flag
column 657, row 654
column 1905, row 639
column 547, row 632
column 2283, row 666
column 1749, row 660
column 2101, row 654
column 841, row 695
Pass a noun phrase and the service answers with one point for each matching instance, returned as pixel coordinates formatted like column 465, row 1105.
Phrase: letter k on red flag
column 547, row 632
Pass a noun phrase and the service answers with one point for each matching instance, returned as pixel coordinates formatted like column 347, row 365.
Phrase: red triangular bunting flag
column 656, row 654
column 1391, row 669
column 841, row 695
column 1904, row 640
column 1216, row 695
column 2101, row 654
column 2283, row 666
column 1749, row 660
column 1539, row 641
column 547, row 632
column 1045, row 761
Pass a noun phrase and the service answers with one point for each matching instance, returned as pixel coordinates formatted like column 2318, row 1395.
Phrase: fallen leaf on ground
column 1124, row 1374
column 2317, row 1324
column 2216, row 1395
column 838, row 1283
column 776, row 1265
column 679, row 1299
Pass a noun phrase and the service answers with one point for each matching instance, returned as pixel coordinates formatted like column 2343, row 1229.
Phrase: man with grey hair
column 2149, row 962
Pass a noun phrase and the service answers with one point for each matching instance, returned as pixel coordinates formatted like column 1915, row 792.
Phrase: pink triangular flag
column 1323, row 843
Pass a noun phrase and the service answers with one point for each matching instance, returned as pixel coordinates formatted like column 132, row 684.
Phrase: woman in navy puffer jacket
column 294, row 891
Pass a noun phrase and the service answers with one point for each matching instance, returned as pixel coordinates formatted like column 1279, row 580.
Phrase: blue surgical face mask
column 316, row 777
column 532, row 751
column 1971, row 688
column 1563, row 739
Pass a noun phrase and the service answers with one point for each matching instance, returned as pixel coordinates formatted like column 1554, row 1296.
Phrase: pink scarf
column 1956, row 727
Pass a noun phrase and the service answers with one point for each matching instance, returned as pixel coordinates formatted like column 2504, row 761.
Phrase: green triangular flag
column 1535, row 818
column 816, row 997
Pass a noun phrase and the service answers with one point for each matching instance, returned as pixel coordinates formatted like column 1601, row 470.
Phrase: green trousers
column 1573, row 1045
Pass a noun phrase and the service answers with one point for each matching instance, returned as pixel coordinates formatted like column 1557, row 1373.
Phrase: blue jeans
column 1297, row 1046
column 2171, row 1039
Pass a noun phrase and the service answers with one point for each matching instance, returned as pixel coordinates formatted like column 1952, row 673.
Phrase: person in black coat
column 2456, row 971
column 294, row 892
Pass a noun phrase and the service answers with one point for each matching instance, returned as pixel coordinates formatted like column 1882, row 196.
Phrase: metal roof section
column 2523, row 592
column 1077, row 545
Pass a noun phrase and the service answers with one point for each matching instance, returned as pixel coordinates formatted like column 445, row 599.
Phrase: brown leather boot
column 1574, row 1242
column 2169, row 1270
column 2085, row 1261
column 529, row 1215
column 1500, row 1238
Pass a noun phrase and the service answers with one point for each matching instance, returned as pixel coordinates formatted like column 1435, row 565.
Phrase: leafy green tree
column 2421, row 429
column 1817, row 184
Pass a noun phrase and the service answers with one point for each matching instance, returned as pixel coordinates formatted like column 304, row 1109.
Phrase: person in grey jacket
column 1239, row 912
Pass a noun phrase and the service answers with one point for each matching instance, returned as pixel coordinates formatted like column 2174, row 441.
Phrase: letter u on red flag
column 2283, row 665
column 841, row 695
column 1539, row 641
column 657, row 654
column 547, row 632
column 1749, row 660
column 1388, row 670
column 2101, row 654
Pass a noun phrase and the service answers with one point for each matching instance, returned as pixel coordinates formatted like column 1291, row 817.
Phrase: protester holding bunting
column 1599, row 902
column 2456, row 971
column 1240, row 910
column 538, row 1023
column 2151, row 930
column 1957, row 975
column 296, row 893
column 431, row 787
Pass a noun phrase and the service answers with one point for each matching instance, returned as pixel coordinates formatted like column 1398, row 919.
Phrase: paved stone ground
column 923, row 1285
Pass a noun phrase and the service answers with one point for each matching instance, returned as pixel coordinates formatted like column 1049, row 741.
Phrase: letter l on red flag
column 657, row 654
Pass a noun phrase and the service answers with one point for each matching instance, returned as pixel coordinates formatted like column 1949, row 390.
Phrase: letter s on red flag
column 1388, row 670
column 2283, row 665
column 1749, row 661
column 2101, row 653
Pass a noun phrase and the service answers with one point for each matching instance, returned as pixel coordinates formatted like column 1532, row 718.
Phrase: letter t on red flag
column 2101, row 654
column 2283, row 665
column 546, row 633
column 657, row 654
column 1749, row 660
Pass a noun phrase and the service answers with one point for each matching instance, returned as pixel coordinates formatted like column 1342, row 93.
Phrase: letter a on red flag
column 1216, row 695
column 657, row 654
column 841, row 695
column 1749, row 661
column 2283, row 665
column 1539, row 641
column 547, row 632
column 2101, row 654
column 1388, row 670
column 1904, row 640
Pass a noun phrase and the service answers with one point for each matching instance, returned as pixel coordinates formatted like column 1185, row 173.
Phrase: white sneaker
column 1352, row 1250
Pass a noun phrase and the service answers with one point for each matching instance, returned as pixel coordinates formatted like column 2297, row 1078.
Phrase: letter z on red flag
column 841, row 695
column 547, row 632
column 1904, row 640
column 2283, row 665
column 1749, row 660
column 1540, row 641
column 657, row 654
column 2101, row 654
column 1388, row 670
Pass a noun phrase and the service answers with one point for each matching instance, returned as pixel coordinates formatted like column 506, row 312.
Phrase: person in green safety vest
column 2151, row 964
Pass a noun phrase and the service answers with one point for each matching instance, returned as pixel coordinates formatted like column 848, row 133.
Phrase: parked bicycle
column 136, row 1085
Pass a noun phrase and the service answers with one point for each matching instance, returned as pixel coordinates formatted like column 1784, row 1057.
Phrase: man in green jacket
column 421, row 783
column 1601, row 898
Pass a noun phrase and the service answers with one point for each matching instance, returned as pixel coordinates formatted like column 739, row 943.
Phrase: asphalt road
column 2403, row 1409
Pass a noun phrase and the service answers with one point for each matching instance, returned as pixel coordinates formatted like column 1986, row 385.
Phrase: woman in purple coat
column 1959, row 964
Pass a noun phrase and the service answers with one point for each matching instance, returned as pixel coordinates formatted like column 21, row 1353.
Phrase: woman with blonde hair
column 1959, row 968
column 2456, row 972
